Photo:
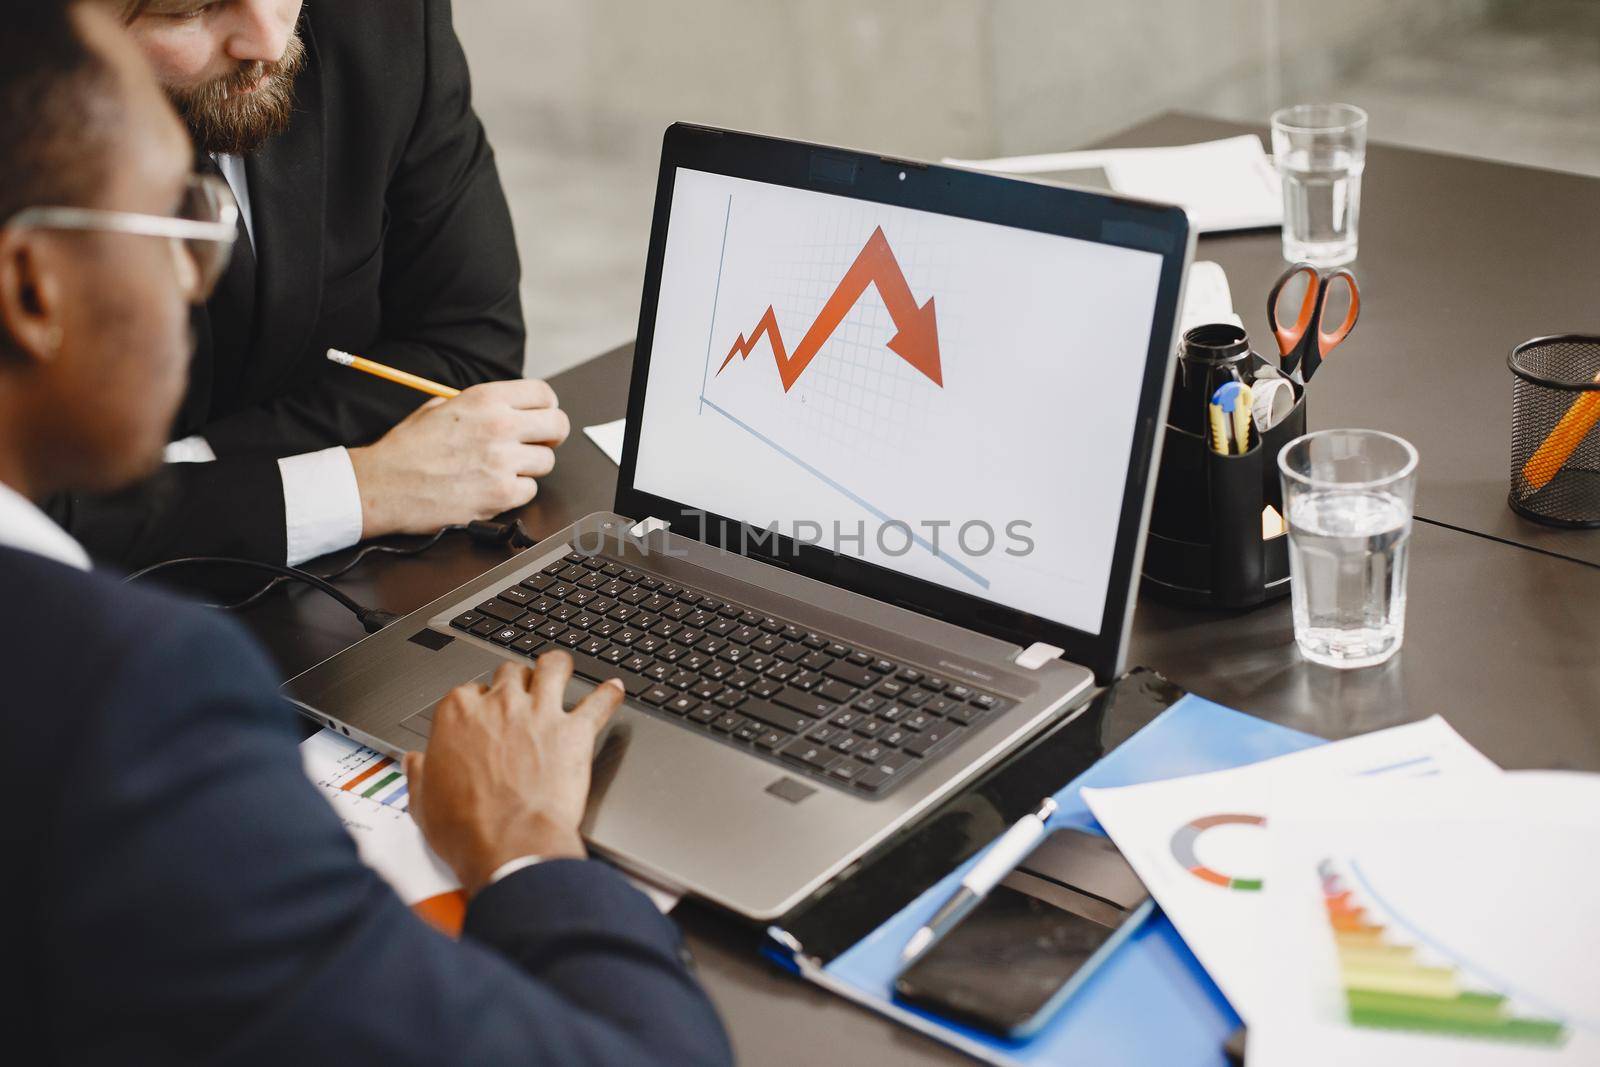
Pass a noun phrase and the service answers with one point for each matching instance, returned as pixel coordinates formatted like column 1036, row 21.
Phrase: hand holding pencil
column 465, row 455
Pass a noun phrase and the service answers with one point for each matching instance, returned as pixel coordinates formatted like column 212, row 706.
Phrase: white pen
column 1013, row 846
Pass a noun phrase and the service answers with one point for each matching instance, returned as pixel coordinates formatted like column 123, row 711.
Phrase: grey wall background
column 575, row 94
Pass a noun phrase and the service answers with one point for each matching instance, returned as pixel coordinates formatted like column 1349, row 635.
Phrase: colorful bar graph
column 368, row 773
column 382, row 783
column 1387, row 986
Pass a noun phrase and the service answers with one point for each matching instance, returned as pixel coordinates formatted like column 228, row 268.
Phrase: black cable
column 513, row 534
column 354, row 562
column 372, row 619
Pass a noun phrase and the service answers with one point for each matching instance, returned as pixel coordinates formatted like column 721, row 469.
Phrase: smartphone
column 1034, row 940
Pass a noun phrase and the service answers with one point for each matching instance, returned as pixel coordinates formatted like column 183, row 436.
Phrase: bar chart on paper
column 1200, row 843
column 1392, row 982
column 368, row 792
column 1444, row 922
column 369, row 775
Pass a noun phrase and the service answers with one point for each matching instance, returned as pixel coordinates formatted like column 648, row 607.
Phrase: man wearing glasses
column 176, row 891
column 370, row 219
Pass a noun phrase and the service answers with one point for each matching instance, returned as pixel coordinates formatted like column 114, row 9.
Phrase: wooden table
column 1460, row 260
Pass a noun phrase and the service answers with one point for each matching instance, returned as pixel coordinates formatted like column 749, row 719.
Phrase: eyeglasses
column 201, row 234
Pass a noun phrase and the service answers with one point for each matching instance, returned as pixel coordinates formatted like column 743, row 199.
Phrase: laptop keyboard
column 818, row 705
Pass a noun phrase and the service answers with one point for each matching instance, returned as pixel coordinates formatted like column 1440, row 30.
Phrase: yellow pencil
column 399, row 377
column 1564, row 440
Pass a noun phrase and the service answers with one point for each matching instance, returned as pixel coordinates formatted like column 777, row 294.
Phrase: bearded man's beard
column 224, row 120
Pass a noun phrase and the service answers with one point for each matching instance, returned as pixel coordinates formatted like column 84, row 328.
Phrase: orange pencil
column 1564, row 440
column 399, row 377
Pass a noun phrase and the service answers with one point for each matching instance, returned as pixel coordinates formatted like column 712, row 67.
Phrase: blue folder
column 1151, row 1002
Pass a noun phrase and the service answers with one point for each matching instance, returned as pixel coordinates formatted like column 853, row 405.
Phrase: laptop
column 887, row 472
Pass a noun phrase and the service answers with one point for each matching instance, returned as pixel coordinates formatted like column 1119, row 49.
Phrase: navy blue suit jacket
column 175, row 891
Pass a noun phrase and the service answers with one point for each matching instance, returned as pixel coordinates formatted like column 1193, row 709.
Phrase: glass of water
column 1320, row 151
column 1347, row 495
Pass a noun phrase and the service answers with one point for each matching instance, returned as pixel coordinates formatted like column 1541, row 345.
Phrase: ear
column 30, row 294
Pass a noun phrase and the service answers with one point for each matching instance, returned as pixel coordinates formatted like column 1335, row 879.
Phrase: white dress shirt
column 232, row 168
column 23, row 526
column 510, row 867
column 321, row 500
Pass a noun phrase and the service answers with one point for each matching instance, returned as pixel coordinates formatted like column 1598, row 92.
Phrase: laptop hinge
column 644, row 529
column 1037, row 655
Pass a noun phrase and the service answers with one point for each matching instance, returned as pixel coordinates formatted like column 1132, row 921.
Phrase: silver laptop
column 891, row 434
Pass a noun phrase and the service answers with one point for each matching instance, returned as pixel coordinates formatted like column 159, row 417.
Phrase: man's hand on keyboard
column 453, row 461
column 506, row 772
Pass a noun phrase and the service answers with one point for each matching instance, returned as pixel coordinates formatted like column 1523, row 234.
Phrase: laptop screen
column 948, row 399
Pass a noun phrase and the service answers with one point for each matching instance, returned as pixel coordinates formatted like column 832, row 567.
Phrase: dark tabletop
column 1460, row 260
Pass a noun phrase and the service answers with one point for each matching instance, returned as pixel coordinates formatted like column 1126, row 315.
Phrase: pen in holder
column 1207, row 545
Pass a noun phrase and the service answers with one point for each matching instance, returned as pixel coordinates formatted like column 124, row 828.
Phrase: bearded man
column 175, row 890
column 372, row 220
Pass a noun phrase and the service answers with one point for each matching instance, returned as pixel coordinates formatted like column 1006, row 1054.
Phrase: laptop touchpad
column 421, row 720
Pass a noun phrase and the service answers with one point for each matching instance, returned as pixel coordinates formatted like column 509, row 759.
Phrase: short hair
column 58, row 105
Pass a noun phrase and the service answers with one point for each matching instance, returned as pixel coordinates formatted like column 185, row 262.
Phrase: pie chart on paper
column 1183, row 850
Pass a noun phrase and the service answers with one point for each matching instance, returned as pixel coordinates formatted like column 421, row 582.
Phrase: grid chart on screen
column 856, row 392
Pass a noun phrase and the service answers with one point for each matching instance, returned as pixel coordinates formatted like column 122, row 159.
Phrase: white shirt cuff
column 510, row 867
column 321, row 503
column 190, row 450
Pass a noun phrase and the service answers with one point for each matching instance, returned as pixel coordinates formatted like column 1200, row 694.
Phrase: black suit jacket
column 380, row 228
column 176, row 891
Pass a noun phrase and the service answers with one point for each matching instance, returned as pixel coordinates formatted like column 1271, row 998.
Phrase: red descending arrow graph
column 917, row 339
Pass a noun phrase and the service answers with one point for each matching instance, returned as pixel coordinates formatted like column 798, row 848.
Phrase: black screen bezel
column 1158, row 228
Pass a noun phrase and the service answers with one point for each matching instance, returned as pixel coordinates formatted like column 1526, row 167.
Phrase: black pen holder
column 1206, row 544
column 1555, row 430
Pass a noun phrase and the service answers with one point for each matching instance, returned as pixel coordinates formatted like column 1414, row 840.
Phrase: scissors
column 1306, row 344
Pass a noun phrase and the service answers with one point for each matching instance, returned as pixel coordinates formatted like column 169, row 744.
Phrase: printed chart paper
column 368, row 792
column 1432, row 922
column 1199, row 843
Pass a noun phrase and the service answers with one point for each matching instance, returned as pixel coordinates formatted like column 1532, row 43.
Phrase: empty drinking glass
column 1320, row 151
column 1347, row 495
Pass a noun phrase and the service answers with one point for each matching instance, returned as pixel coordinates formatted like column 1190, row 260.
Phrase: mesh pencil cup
column 1555, row 430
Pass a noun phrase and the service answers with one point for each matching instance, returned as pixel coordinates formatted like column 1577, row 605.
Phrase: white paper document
column 1432, row 922
column 368, row 793
column 1199, row 843
column 1223, row 185
column 607, row 437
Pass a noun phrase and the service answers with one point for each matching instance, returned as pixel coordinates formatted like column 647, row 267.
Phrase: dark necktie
column 231, row 309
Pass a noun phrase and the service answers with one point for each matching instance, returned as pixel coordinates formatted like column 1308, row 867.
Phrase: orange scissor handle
column 1328, row 340
column 1289, row 338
